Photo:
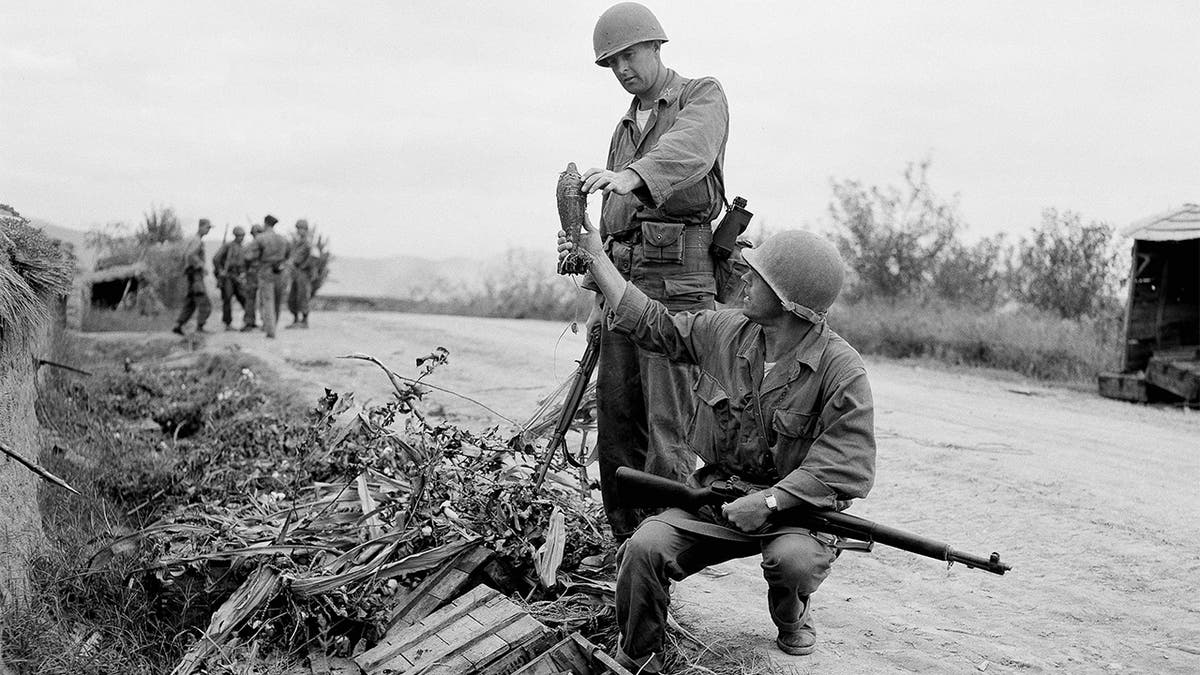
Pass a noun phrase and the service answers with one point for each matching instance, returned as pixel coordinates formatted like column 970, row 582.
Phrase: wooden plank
column 574, row 654
column 401, row 638
column 1123, row 387
column 1180, row 377
column 439, row 587
column 524, row 639
column 446, row 652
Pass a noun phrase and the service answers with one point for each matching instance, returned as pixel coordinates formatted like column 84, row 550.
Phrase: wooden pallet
column 575, row 655
column 479, row 632
column 1124, row 386
column 1176, row 372
column 439, row 588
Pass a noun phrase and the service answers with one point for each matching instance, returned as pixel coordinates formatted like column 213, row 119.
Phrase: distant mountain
column 85, row 257
column 421, row 279
column 405, row 277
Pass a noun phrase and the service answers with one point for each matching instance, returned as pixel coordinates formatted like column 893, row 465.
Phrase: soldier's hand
column 748, row 513
column 621, row 183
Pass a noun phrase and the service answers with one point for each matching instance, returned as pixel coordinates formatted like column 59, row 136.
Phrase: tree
column 893, row 238
column 972, row 274
column 160, row 226
column 1067, row 267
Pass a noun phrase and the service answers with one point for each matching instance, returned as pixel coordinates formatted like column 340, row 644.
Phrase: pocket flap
column 688, row 284
column 709, row 390
column 793, row 423
column 661, row 234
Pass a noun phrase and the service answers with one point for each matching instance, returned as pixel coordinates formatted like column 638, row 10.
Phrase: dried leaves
column 361, row 503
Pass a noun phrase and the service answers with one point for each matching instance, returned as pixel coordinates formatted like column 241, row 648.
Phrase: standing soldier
column 229, row 266
column 663, row 185
column 195, row 297
column 268, row 254
column 302, row 262
column 249, row 254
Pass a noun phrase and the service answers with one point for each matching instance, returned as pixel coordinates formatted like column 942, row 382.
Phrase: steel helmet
column 623, row 25
column 804, row 269
column 239, row 231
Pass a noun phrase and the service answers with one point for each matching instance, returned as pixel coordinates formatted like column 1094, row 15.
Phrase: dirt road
column 1095, row 503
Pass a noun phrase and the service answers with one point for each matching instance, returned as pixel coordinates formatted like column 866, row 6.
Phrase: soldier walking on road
column 268, row 254
column 782, row 401
column 195, row 298
column 229, row 267
column 663, row 186
column 302, row 262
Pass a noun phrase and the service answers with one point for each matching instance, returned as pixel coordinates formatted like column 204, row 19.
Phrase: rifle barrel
column 638, row 488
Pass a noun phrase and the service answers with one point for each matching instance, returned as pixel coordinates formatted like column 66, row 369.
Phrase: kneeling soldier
column 783, row 401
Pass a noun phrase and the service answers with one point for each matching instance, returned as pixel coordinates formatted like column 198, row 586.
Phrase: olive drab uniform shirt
column 267, row 253
column 679, row 154
column 816, row 405
column 229, row 260
column 193, row 255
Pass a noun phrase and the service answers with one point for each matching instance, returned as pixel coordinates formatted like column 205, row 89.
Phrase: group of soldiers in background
column 259, row 275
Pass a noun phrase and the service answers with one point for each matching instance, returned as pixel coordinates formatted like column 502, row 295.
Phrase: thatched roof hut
column 35, row 273
column 1162, row 317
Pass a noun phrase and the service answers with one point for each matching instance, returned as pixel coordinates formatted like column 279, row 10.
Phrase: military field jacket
column 817, row 411
column 193, row 255
column 230, row 259
column 680, row 155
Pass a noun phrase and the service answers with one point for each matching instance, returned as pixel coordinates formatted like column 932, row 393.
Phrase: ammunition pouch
column 662, row 242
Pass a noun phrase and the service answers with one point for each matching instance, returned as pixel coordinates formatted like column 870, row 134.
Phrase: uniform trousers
column 300, row 293
column 233, row 288
column 195, row 300
column 272, row 286
column 644, row 400
column 794, row 565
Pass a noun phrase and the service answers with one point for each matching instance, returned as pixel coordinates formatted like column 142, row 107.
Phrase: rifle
column 583, row 374
column 641, row 489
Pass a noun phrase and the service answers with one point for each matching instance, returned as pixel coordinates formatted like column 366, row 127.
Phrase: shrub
column 1067, row 267
column 972, row 274
column 893, row 239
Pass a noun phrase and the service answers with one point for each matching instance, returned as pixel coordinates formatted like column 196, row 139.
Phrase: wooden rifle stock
column 583, row 374
column 638, row 488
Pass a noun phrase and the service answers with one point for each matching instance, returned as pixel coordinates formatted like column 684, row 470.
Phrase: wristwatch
column 769, row 498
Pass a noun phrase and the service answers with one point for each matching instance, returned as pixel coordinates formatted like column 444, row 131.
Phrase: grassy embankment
column 135, row 441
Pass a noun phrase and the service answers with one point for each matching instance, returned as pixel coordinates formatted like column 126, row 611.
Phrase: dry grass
column 1031, row 343
column 35, row 271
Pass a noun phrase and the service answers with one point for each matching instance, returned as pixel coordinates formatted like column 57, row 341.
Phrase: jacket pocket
column 663, row 242
column 710, row 431
column 687, row 290
column 794, row 433
column 794, row 424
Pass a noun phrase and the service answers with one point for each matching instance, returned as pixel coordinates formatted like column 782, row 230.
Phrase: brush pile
column 318, row 529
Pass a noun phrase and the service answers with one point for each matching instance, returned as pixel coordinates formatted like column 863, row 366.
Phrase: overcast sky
column 438, row 128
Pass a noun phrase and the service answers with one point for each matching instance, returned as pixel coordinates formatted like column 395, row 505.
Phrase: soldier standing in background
column 250, row 308
column 229, row 267
column 663, row 186
column 268, row 253
column 302, row 262
column 195, row 298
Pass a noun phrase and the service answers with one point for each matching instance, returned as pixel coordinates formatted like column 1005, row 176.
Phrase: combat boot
column 798, row 642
